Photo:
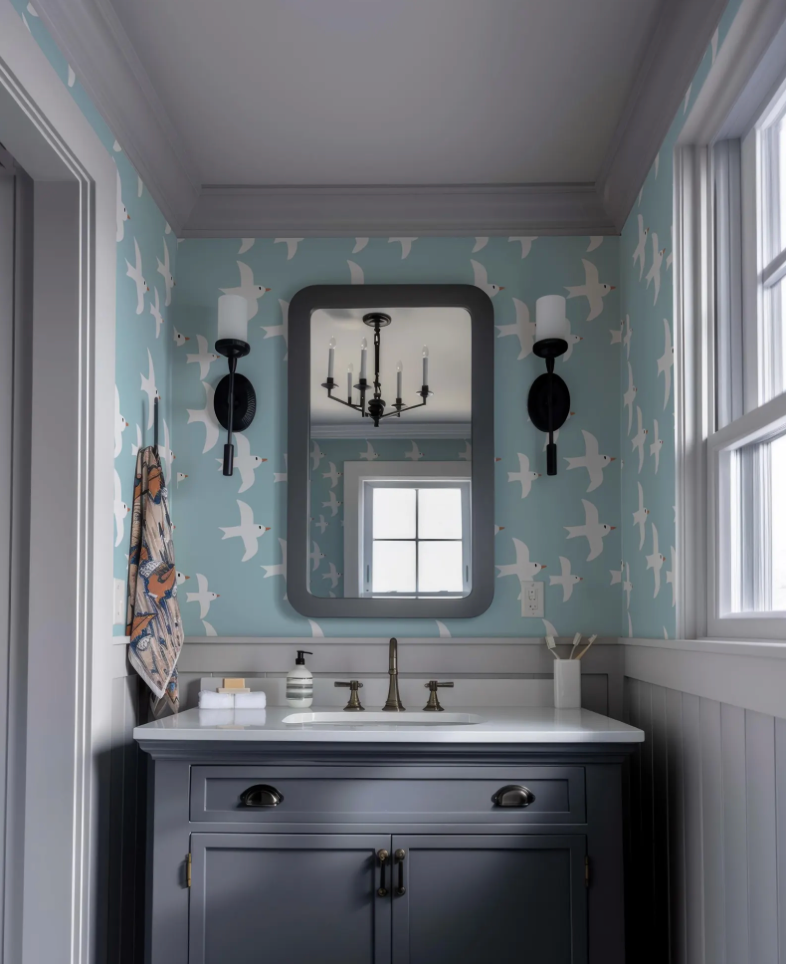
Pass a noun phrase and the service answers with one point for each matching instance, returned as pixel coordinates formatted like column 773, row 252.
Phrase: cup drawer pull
column 261, row 795
column 513, row 795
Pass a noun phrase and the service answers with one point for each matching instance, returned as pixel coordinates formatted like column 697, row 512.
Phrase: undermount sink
column 370, row 717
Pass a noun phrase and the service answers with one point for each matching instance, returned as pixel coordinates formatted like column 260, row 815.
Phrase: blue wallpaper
column 569, row 524
column 646, row 343
column 146, row 257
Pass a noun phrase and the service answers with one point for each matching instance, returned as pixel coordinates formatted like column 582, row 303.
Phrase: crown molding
column 378, row 210
column 91, row 38
column 669, row 62
column 393, row 430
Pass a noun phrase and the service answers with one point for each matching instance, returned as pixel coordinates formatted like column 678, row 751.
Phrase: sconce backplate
column 538, row 402
column 245, row 403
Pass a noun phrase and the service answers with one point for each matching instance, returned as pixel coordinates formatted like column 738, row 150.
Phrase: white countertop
column 538, row 724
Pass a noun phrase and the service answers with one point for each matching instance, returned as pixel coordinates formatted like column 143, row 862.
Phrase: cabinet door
column 469, row 899
column 300, row 898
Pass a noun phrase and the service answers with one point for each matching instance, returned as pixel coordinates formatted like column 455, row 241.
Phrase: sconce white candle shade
column 550, row 318
column 233, row 317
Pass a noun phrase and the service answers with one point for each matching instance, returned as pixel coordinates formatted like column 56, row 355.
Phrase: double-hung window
column 746, row 432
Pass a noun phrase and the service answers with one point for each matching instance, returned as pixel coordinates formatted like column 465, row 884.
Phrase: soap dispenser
column 300, row 683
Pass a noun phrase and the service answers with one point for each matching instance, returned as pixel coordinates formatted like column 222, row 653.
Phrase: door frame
column 60, row 666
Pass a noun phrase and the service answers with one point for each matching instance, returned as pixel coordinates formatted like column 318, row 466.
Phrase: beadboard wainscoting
column 707, row 803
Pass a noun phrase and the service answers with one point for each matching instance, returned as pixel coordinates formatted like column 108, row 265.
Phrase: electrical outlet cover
column 119, row 603
column 532, row 599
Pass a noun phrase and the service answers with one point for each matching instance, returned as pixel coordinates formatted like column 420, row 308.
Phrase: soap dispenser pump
column 300, row 683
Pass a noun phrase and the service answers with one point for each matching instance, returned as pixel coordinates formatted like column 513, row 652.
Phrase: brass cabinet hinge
column 586, row 872
column 188, row 870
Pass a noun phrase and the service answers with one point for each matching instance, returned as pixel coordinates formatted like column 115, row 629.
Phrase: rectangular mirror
column 391, row 465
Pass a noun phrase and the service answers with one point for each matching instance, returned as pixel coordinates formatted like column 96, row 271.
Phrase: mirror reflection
column 391, row 453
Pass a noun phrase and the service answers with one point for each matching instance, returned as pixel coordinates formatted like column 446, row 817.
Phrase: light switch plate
column 119, row 603
column 532, row 599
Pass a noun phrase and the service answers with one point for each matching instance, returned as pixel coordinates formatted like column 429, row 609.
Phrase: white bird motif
column 640, row 517
column 316, row 456
column 316, row 556
column 641, row 248
column 466, row 454
column 657, row 260
column 443, row 630
column 406, row 247
column 209, row 629
column 155, row 311
column 203, row 357
column 550, row 629
column 616, row 575
column 332, row 575
column 316, row 629
column 670, row 576
column 246, row 244
column 627, row 587
column 480, row 243
column 244, row 462
column 482, row 280
column 280, row 569
column 665, row 362
column 616, row 334
column 149, row 388
column 248, row 289
column 414, row 453
column 122, row 212
column 282, row 476
column 639, row 438
column 332, row 503
column 291, row 244
column 595, row 241
column 134, row 272
column 572, row 340
column 524, row 476
column 656, row 446
column 120, row 425
column 592, row 460
column 282, row 330
column 121, row 511
column 626, row 339
column 248, row 530
column 204, row 597
column 566, row 579
column 593, row 530
column 523, row 329
column 180, row 577
column 360, row 243
column 356, row 275
column 629, row 397
column 333, row 474
column 526, row 244
column 369, row 455
column 180, row 340
column 166, row 274
column 655, row 560
column 208, row 418
column 181, row 477
column 322, row 524
column 522, row 568
column 593, row 289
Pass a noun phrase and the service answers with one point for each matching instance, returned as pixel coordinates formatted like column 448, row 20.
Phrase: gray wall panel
column 735, row 838
column 712, row 827
column 762, row 878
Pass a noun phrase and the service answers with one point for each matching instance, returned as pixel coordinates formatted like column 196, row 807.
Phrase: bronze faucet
column 393, row 703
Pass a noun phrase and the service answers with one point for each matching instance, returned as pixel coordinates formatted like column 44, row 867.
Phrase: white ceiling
column 304, row 92
column 446, row 331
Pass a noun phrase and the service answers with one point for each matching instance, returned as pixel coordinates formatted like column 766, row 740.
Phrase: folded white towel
column 209, row 700
column 250, row 701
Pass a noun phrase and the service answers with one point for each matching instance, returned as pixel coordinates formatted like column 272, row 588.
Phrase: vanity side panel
column 605, row 851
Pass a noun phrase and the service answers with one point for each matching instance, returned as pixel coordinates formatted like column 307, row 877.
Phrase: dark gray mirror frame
column 478, row 305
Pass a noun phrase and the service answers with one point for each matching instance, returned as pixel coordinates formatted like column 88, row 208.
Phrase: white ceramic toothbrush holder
column 567, row 684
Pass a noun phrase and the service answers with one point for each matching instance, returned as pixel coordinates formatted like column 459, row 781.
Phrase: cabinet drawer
column 374, row 795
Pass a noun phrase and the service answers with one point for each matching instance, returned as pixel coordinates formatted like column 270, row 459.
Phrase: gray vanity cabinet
column 294, row 898
column 486, row 898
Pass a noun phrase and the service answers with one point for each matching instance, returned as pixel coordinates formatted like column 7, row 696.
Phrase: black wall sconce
column 548, row 403
column 235, row 401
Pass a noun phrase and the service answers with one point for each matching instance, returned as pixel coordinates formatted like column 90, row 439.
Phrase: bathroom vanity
column 310, row 841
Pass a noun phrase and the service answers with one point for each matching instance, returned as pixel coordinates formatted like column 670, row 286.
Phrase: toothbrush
column 576, row 641
column 552, row 646
column 591, row 641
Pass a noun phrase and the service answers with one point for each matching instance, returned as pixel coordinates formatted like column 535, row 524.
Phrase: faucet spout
column 393, row 703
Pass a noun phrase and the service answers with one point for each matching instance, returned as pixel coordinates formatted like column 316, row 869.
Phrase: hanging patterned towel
column 153, row 621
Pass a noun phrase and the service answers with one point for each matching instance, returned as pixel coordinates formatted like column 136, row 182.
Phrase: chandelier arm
column 408, row 408
column 348, row 404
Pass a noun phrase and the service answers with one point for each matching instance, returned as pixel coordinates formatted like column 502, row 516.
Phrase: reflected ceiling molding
column 396, row 430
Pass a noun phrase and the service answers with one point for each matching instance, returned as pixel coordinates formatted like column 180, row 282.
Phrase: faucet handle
column 354, row 704
column 433, row 704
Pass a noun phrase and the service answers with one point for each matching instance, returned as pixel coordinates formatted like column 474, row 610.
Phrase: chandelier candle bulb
column 233, row 317
column 349, row 383
column 550, row 318
column 363, row 357
column 399, row 370
column 425, row 364
column 331, row 358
